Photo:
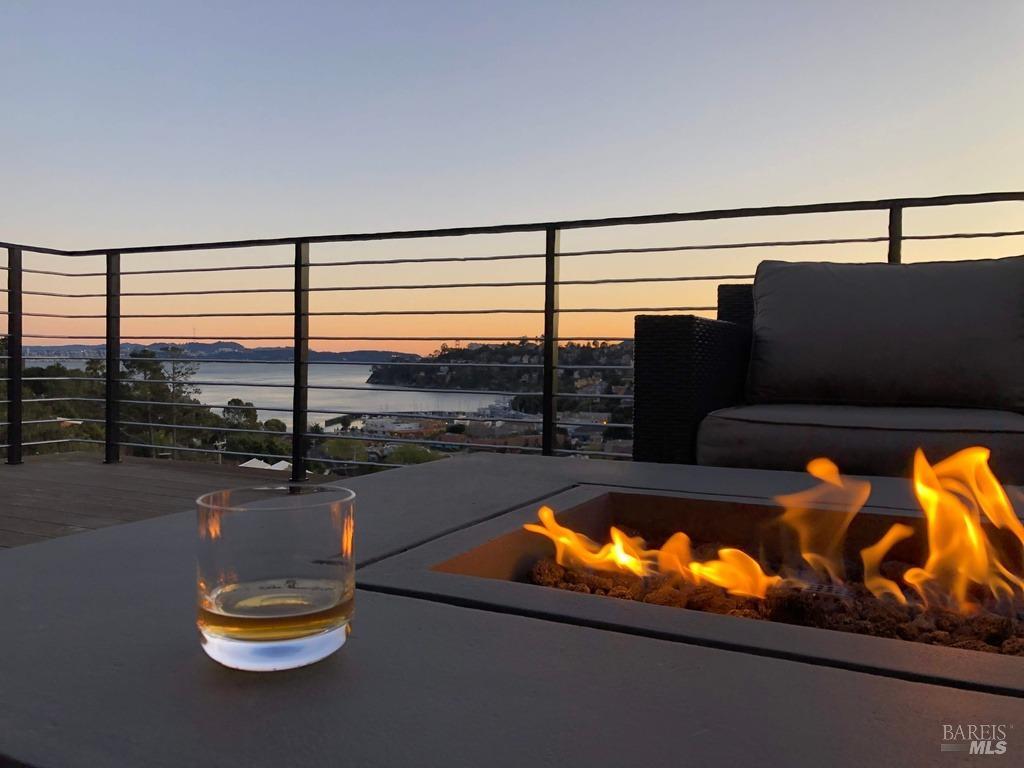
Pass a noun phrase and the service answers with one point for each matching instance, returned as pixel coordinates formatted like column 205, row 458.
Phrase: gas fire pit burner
column 498, row 564
column 967, row 592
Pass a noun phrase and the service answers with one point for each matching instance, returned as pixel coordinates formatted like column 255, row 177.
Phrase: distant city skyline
column 190, row 123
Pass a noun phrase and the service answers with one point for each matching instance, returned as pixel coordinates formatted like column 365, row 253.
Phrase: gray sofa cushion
column 937, row 333
column 869, row 441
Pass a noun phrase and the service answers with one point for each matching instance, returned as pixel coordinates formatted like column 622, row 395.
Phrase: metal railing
column 299, row 290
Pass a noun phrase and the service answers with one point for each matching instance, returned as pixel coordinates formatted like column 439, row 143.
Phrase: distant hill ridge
column 221, row 350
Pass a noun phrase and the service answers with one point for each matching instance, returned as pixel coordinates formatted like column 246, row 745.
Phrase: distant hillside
column 516, row 367
column 222, row 350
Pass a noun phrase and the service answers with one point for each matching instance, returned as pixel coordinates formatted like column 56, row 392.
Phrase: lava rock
column 548, row 573
column 583, row 588
column 703, row 597
column 974, row 644
column 991, row 628
column 1014, row 646
column 666, row 595
column 855, row 610
column 924, row 623
column 948, row 621
column 886, row 616
column 908, row 630
column 592, row 579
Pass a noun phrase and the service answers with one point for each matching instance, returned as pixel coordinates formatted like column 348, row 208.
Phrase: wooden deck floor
column 60, row 494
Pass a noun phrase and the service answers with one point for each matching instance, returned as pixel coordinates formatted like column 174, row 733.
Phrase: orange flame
column 872, row 557
column 734, row 570
column 675, row 557
column 820, row 533
column 737, row 572
column 954, row 495
column 624, row 554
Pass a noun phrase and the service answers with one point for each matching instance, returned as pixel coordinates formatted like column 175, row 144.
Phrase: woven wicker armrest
column 684, row 367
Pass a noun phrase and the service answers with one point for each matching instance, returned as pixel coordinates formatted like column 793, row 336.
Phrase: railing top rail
column 615, row 221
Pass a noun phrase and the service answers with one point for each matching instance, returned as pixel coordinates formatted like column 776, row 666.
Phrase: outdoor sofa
column 862, row 363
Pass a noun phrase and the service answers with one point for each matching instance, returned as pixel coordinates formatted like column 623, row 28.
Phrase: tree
column 275, row 425
column 145, row 382
column 240, row 414
column 620, row 414
column 179, row 373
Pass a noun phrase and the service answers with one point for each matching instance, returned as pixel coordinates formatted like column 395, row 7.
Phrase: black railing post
column 549, row 407
column 112, row 394
column 895, row 234
column 14, row 356
column 300, row 359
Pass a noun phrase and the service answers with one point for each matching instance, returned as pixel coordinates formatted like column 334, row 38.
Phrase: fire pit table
column 450, row 664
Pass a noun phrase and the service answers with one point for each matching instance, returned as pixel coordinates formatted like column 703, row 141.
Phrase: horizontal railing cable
column 423, row 416
column 68, row 399
column 509, row 257
column 160, row 338
column 390, row 363
column 340, row 387
column 226, row 268
column 586, row 396
column 62, row 378
column 585, row 367
column 62, row 440
column 213, row 451
column 244, row 406
column 421, row 441
column 356, row 412
column 64, row 357
column 608, row 454
column 403, row 287
column 197, row 427
column 512, row 340
column 384, row 312
column 400, row 363
column 450, row 337
column 54, row 420
column 597, row 310
column 57, row 441
column 430, row 390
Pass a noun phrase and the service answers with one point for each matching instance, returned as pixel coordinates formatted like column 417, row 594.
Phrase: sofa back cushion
column 938, row 333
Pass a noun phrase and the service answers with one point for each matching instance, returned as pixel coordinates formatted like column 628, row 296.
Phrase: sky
column 129, row 123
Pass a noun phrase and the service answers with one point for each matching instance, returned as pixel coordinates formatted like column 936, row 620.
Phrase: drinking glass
column 276, row 578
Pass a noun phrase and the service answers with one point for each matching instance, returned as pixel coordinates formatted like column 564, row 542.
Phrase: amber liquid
column 277, row 609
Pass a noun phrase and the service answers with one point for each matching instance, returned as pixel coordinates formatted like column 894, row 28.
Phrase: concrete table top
column 100, row 665
column 402, row 508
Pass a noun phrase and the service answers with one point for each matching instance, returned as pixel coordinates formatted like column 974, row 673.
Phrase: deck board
column 66, row 493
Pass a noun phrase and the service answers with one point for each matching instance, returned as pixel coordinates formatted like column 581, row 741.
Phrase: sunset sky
column 130, row 124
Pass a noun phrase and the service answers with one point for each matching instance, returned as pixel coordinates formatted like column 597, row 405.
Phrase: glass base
column 273, row 655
